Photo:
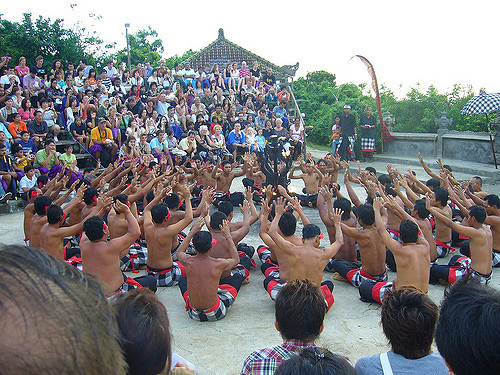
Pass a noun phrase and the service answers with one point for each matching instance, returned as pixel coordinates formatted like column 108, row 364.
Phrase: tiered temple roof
column 223, row 51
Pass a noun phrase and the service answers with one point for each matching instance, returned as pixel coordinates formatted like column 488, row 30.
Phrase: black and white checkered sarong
column 367, row 144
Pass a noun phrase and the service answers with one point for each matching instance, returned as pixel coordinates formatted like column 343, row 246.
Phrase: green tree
column 145, row 46
column 48, row 38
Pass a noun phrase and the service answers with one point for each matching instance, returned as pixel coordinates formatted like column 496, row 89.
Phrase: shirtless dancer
column 371, row 249
column 439, row 200
column 481, row 245
column 53, row 233
column 275, row 264
column 221, row 247
column 347, row 251
column 29, row 212
column 307, row 261
column 101, row 257
column 312, row 178
column 136, row 256
column 411, row 255
column 207, row 297
column 159, row 237
column 224, row 179
column 41, row 204
column 492, row 205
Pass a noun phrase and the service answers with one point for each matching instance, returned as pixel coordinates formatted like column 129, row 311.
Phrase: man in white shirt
column 162, row 105
column 188, row 75
column 111, row 71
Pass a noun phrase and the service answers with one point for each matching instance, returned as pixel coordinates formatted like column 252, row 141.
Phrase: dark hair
column 93, row 228
column 226, row 207
column 408, row 320
column 202, row 241
column 41, row 204
column 419, row 206
column 408, row 231
column 89, row 195
column 479, row 180
column 389, row 190
column 300, row 310
column 42, row 179
column 493, row 200
column 441, row 195
column 121, row 197
column 310, row 231
column 366, row 214
column 159, row 212
column 148, row 350
column 225, row 162
column 315, row 361
column 216, row 219
column 287, row 224
column 468, row 328
column 371, row 170
column 150, row 196
column 172, row 200
column 433, row 183
column 478, row 212
column 345, row 205
column 384, row 179
column 54, row 214
column 38, row 295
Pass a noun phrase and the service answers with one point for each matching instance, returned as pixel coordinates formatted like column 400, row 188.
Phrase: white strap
column 386, row 365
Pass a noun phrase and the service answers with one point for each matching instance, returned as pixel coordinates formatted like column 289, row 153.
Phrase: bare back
column 348, row 249
column 372, row 251
column 413, row 266
column 102, row 261
column 36, row 226
column 481, row 246
column 443, row 232
column 159, row 242
column 51, row 242
column 308, row 262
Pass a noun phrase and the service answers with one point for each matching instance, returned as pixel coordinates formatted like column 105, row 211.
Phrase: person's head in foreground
column 145, row 332
column 408, row 320
column 468, row 329
column 315, row 361
column 300, row 311
column 54, row 318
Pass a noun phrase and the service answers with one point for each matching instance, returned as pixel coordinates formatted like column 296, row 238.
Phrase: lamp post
column 127, row 25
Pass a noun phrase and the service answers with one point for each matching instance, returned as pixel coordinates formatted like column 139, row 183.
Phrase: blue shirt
column 233, row 138
column 155, row 143
column 28, row 146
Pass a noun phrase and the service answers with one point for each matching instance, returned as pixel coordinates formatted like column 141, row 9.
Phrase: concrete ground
column 351, row 328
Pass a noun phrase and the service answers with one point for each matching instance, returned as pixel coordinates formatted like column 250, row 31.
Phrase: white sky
column 438, row 42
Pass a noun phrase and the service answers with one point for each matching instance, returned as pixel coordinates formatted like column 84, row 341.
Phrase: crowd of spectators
column 213, row 112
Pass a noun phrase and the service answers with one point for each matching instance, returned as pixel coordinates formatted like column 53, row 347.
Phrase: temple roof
column 223, row 51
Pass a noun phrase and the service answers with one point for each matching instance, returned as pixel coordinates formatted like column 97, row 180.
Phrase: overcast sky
column 438, row 42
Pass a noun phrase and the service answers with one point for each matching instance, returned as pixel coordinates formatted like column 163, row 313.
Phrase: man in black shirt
column 268, row 79
column 349, row 131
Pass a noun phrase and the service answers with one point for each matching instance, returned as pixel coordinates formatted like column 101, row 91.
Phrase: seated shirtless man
column 481, row 245
column 221, row 247
column 207, row 297
column 224, row 180
column 41, row 204
column 307, row 261
column 412, row 258
column 160, row 236
column 136, row 256
column 347, row 251
column 53, row 233
column 439, row 200
column 312, row 178
column 371, row 249
column 101, row 257
column 29, row 212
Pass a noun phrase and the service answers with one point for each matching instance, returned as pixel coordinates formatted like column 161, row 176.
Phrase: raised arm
column 294, row 202
column 426, row 168
column 331, row 250
column 350, row 191
column 181, row 251
column 323, row 212
column 391, row 244
column 240, row 233
column 466, row 231
column 133, row 230
column 285, row 246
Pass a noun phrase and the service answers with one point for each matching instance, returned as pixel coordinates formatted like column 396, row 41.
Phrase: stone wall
column 468, row 146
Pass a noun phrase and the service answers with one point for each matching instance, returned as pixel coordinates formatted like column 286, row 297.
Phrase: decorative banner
column 386, row 135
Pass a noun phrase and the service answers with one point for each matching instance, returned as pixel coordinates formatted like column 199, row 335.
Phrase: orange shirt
column 13, row 129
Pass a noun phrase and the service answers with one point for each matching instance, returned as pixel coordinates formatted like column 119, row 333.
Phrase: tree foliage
column 42, row 36
column 144, row 46
column 321, row 100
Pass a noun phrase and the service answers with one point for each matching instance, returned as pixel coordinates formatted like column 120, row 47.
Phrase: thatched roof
column 223, row 51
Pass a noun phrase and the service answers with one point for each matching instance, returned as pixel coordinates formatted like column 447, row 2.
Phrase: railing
column 299, row 115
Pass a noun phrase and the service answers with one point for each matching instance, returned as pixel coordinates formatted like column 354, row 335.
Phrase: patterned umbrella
column 483, row 104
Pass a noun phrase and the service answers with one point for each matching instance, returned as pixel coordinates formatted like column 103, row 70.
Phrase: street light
column 127, row 25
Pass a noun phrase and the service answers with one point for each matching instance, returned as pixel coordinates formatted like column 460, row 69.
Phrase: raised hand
column 120, row 207
column 280, row 206
column 337, row 216
column 378, row 203
column 226, row 232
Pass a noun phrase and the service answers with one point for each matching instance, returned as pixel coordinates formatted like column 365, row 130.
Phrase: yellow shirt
column 101, row 136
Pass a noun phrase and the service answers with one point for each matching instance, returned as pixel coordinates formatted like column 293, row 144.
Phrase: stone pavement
column 352, row 327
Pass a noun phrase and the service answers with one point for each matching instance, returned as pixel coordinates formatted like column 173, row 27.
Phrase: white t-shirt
column 27, row 183
column 110, row 72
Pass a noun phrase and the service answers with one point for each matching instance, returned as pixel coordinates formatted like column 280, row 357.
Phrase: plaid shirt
column 266, row 361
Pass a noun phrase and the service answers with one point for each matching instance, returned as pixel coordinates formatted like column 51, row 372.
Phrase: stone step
column 13, row 206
